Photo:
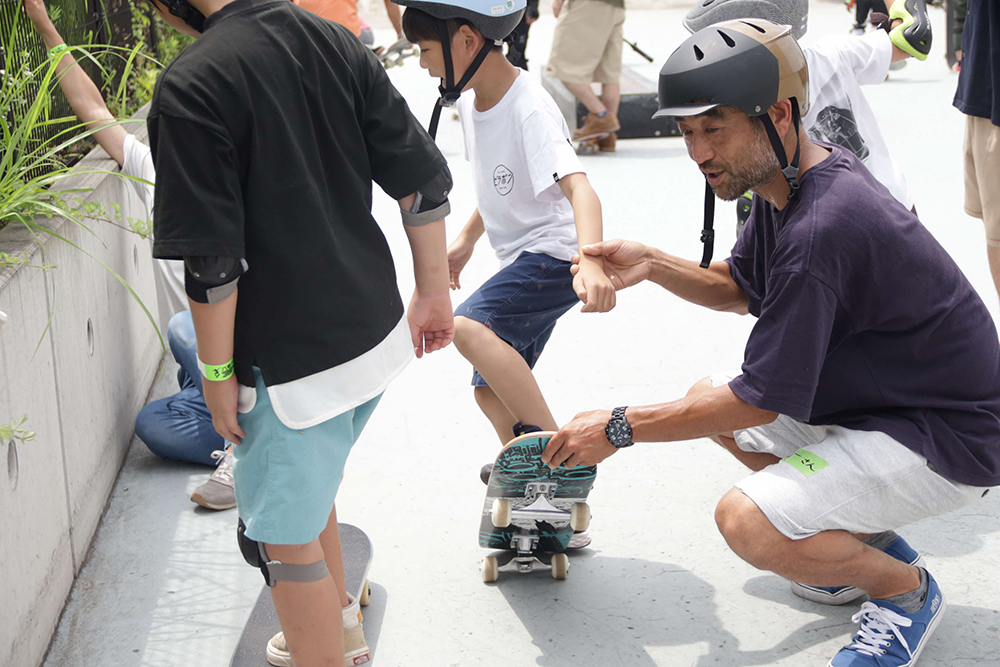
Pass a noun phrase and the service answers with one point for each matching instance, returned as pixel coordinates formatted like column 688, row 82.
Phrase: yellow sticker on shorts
column 806, row 462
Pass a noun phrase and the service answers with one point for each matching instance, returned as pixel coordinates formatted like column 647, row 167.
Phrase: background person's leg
column 179, row 428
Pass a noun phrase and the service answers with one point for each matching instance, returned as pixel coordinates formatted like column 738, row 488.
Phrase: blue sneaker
column 890, row 637
column 899, row 550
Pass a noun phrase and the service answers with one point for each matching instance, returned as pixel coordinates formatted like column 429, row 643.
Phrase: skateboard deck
column 263, row 622
column 397, row 53
column 531, row 511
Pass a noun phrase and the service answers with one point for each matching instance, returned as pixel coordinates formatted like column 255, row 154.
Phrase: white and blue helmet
column 496, row 19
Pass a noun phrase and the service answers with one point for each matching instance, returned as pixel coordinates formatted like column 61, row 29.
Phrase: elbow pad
column 211, row 279
column 914, row 35
column 431, row 203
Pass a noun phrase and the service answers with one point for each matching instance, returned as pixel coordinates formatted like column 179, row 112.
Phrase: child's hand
column 459, row 254
column 432, row 324
column 593, row 286
column 35, row 9
column 220, row 398
column 624, row 262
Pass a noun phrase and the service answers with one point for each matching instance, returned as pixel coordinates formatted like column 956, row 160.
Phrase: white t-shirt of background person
column 169, row 273
column 519, row 149
column 838, row 111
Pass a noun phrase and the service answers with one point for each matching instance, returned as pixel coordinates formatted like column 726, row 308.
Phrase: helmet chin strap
column 450, row 91
column 790, row 170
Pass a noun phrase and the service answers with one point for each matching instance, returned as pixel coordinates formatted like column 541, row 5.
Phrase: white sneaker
column 356, row 651
column 219, row 492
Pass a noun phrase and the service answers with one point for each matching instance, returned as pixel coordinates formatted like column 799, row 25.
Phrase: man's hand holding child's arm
column 432, row 323
column 590, row 281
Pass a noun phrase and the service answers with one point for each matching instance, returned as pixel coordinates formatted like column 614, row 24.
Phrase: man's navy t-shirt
column 866, row 322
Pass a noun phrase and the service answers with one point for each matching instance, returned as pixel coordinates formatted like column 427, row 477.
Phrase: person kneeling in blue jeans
column 179, row 427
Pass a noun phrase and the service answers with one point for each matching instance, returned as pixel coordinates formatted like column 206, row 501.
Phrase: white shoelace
column 878, row 626
column 223, row 470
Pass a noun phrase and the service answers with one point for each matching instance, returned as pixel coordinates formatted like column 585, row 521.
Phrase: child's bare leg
column 498, row 414
column 329, row 539
column 505, row 371
column 310, row 614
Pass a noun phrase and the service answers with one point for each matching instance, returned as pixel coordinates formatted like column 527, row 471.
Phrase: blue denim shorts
column 286, row 480
column 521, row 304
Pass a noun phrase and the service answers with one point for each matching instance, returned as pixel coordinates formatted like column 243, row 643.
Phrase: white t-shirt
column 307, row 401
column 169, row 276
column 519, row 149
column 839, row 113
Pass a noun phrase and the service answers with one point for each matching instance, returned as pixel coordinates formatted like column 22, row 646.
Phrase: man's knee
column 746, row 528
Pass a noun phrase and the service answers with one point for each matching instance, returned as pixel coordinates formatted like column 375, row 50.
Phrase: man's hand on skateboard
column 582, row 442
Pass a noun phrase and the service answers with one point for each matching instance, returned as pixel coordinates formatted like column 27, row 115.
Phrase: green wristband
column 57, row 49
column 216, row 373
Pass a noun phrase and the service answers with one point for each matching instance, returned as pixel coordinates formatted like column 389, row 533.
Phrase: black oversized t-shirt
column 865, row 321
column 267, row 133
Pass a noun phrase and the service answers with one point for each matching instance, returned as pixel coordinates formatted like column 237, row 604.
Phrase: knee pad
column 275, row 571
column 914, row 35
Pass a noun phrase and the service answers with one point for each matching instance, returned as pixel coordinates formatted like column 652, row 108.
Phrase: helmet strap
column 790, row 170
column 449, row 90
column 707, row 233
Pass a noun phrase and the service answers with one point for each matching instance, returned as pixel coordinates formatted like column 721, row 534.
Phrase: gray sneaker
column 218, row 493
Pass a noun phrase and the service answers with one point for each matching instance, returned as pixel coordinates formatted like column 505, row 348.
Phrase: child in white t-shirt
column 535, row 204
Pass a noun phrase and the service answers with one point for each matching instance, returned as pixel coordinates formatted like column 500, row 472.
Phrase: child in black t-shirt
column 267, row 134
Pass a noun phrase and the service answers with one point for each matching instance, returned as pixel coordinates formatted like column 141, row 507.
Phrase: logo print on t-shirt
column 503, row 180
column 838, row 126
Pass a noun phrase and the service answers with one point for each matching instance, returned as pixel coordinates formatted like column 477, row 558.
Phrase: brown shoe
column 594, row 127
column 607, row 144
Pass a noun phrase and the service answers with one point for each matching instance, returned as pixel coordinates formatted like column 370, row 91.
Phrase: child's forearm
column 586, row 209
column 474, row 229
column 214, row 327
column 430, row 258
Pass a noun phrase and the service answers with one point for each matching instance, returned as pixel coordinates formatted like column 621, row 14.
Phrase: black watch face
column 619, row 433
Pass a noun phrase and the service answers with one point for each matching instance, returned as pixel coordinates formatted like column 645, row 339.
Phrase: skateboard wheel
column 501, row 512
column 491, row 569
column 366, row 592
column 579, row 518
column 560, row 566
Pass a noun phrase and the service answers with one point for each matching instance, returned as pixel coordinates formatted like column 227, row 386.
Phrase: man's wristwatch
column 618, row 431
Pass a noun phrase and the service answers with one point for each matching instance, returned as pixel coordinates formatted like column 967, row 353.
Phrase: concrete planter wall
column 81, row 387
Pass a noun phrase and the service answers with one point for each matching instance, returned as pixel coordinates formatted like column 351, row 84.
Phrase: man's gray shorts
column 833, row 478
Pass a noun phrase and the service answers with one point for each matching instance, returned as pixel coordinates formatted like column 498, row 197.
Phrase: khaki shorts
column 587, row 44
column 982, row 174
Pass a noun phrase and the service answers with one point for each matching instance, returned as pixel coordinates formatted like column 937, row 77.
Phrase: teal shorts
column 286, row 479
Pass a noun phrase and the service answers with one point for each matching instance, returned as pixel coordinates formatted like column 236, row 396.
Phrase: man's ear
column 781, row 116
